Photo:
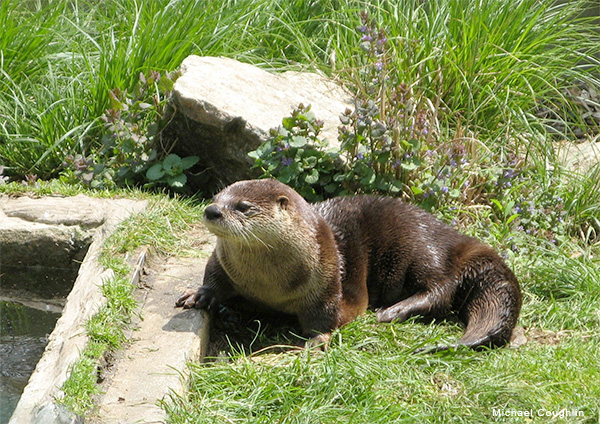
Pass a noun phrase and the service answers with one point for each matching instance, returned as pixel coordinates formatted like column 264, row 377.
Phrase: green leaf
column 508, row 208
column 332, row 188
column 512, row 218
column 413, row 144
column 297, row 141
column 379, row 130
column 288, row 123
column 383, row 157
column 312, row 177
column 165, row 84
column 189, row 161
column 498, row 204
column 170, row 162
column 155, row 172
column 113, row 96
column 369, row 177
column 177, row 181
column 285, row 175
column 310, row 161
column 409, row 166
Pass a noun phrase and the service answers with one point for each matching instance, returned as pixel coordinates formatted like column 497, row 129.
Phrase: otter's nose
column 212, row 212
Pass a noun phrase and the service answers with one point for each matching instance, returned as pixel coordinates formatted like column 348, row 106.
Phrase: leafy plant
column 393, row 143
column 170, row 170
column 132, row 138
column 296, row 156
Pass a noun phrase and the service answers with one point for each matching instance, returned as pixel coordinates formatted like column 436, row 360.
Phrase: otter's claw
column 202, row 298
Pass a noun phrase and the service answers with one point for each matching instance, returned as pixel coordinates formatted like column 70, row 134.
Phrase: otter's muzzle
column 212, row 212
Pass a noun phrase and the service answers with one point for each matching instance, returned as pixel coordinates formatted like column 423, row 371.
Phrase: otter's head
column 255, row 212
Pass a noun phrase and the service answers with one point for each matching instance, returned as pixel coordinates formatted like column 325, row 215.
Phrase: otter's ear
column 283, row 202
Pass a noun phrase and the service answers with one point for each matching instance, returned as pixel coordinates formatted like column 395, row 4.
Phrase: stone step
column 154, row 364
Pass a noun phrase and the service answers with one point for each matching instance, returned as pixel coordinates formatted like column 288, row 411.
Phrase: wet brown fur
column 328, row 262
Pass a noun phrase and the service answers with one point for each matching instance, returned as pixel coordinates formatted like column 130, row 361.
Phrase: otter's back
column 398, row 244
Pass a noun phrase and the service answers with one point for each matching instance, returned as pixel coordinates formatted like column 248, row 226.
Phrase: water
column 23, row 337
column 31, row 301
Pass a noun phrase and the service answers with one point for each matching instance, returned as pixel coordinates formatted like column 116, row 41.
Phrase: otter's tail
column 488, row 299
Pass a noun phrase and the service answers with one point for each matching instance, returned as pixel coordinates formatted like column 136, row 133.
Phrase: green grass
column 487, row 66
column 370, row 375
column 106, row 331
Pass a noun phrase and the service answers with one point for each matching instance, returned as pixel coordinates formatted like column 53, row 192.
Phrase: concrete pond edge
column 68, row 339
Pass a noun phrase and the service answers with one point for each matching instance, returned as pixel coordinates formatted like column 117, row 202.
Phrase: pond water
column 31, row 301
column 23, row 337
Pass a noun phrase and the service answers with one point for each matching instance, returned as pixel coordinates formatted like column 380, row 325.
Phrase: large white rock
column 225, row 108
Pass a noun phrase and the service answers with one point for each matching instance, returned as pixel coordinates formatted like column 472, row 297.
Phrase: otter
column 328, row 262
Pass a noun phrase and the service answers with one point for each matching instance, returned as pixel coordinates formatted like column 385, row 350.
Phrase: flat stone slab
column 154, row 364
column 78, row 210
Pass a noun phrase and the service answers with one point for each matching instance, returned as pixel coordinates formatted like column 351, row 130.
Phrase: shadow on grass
column 236, row 329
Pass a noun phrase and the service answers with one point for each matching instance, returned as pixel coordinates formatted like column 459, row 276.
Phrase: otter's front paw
column 320, row 342
column 393, row 313
column 203, row 298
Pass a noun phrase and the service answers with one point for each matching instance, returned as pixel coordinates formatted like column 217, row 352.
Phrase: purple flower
column 366, row 37
column 453, row 163
column 379, row 65
column 360, row 156
column 509, row 173
column 445, row 189
column 286, row 161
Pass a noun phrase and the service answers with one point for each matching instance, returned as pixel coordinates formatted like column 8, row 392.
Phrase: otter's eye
column 243, row 207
